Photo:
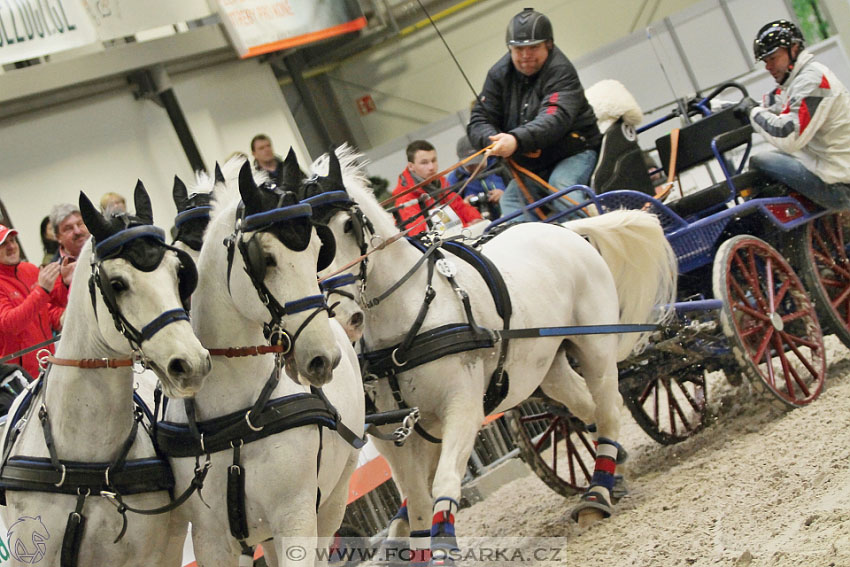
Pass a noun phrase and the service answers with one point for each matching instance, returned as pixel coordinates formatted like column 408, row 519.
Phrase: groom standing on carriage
column 533, row 109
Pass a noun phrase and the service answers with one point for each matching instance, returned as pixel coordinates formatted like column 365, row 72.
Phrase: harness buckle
column 111, row 497
column 140, row 361
column 251, row 425
column 41, row 356
column 401, row 434
column 395, row 360
column 62, row 479
column 377, row 238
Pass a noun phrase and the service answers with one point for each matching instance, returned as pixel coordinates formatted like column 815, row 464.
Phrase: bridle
column 254, row 266
column 111, row 248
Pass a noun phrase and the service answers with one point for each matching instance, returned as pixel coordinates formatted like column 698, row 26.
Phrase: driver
column 806, row 117
column 533, row 108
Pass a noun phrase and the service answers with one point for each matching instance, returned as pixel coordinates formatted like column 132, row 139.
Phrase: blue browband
column 328, row 198
column 191, row 214
column 267, row 218
column 104, row 248
column 339, row 281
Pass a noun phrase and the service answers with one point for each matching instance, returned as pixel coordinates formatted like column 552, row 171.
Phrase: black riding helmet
column 529, row 28
column 776, row 34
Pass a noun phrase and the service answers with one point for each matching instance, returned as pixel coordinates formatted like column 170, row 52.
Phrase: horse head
column 331, row 202
column 280, row 249
column 139, row 286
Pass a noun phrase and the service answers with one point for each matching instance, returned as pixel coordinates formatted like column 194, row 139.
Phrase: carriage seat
column 728, row 132
column 695, row 140
column 620, row 164
column 711, row 197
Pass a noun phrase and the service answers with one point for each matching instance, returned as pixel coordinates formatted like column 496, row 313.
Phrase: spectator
column 806, row 117
column 71, row 232
column 533, row 109
column 48, row 241
column 487, row 188
column 265, row 159
column 28, row 314
column 422, row 164
column 112, row 203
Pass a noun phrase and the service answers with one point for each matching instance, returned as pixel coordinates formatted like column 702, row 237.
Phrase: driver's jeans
column 574, row 170
column 790, row 171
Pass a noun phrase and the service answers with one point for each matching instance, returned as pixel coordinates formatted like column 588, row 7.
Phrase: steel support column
column 294, row 63
column 153, row 84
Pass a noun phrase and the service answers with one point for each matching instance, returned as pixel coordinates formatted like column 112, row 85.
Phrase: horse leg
column 178, row 531
column 332, row 510
column 270, row 554
column 598, row 364
column 461, row 423
column 565, row 385
column 413, row 466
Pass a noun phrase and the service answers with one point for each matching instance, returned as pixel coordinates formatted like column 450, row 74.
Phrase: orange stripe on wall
column 340, row 29
column 368, row 477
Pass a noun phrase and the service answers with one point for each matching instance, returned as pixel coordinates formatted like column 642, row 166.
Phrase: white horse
column 555, row 278
column 273, row 247
column 130, row 281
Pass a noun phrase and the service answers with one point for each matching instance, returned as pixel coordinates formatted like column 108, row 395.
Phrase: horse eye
column 348, row 226
column 270, row 261
column 118, row 285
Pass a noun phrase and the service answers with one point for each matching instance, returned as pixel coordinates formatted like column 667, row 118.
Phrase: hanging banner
column 120, row 18
column 262, row 26
column 35, row 28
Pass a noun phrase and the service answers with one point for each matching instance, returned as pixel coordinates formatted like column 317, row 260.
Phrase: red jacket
column 27, row 314
column 466, row 212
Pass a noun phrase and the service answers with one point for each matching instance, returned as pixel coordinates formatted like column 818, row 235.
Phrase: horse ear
column 292, row 174
column 249, row 191
column 144, row 211
column 219, row 176
column 95, row 222
column 180, row 195
column 334, row 169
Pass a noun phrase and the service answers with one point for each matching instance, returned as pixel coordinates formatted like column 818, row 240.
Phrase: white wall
column 414, row 81
column 107, row 142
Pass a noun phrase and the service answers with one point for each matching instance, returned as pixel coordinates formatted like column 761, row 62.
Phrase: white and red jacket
column 809, row 118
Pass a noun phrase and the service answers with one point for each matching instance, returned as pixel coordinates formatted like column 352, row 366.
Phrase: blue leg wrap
column 603, row 479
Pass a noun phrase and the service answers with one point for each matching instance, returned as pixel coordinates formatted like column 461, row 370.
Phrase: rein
column 434, row 177
column 516, row 169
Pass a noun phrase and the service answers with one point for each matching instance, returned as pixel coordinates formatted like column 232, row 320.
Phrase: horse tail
column 643, row 264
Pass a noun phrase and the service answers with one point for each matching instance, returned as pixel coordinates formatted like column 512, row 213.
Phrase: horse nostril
column 178, row 367
column 319, row 366
column 356, row 320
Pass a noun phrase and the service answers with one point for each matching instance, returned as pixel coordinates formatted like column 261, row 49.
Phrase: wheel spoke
column 546, row 433
column 790, row 340
column 789, row 369
column 765, row 343
column 780, row 293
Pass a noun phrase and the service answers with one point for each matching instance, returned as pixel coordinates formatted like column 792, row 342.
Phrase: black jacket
column 546, row 112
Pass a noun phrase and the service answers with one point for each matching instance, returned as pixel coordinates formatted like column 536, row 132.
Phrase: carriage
column 763, row 275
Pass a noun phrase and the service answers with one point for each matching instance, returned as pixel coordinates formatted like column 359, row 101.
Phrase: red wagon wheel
column 821, row 257
column 769, row 320
column 668, row 407
column 555, row 444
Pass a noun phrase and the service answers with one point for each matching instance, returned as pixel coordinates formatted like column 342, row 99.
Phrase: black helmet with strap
column 528, row 28
column 776, row 34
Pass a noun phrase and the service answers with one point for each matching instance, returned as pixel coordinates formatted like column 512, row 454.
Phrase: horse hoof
column 588, row 517
column 592, row 508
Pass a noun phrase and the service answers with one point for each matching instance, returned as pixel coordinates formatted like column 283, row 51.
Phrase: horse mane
column 356, row 182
